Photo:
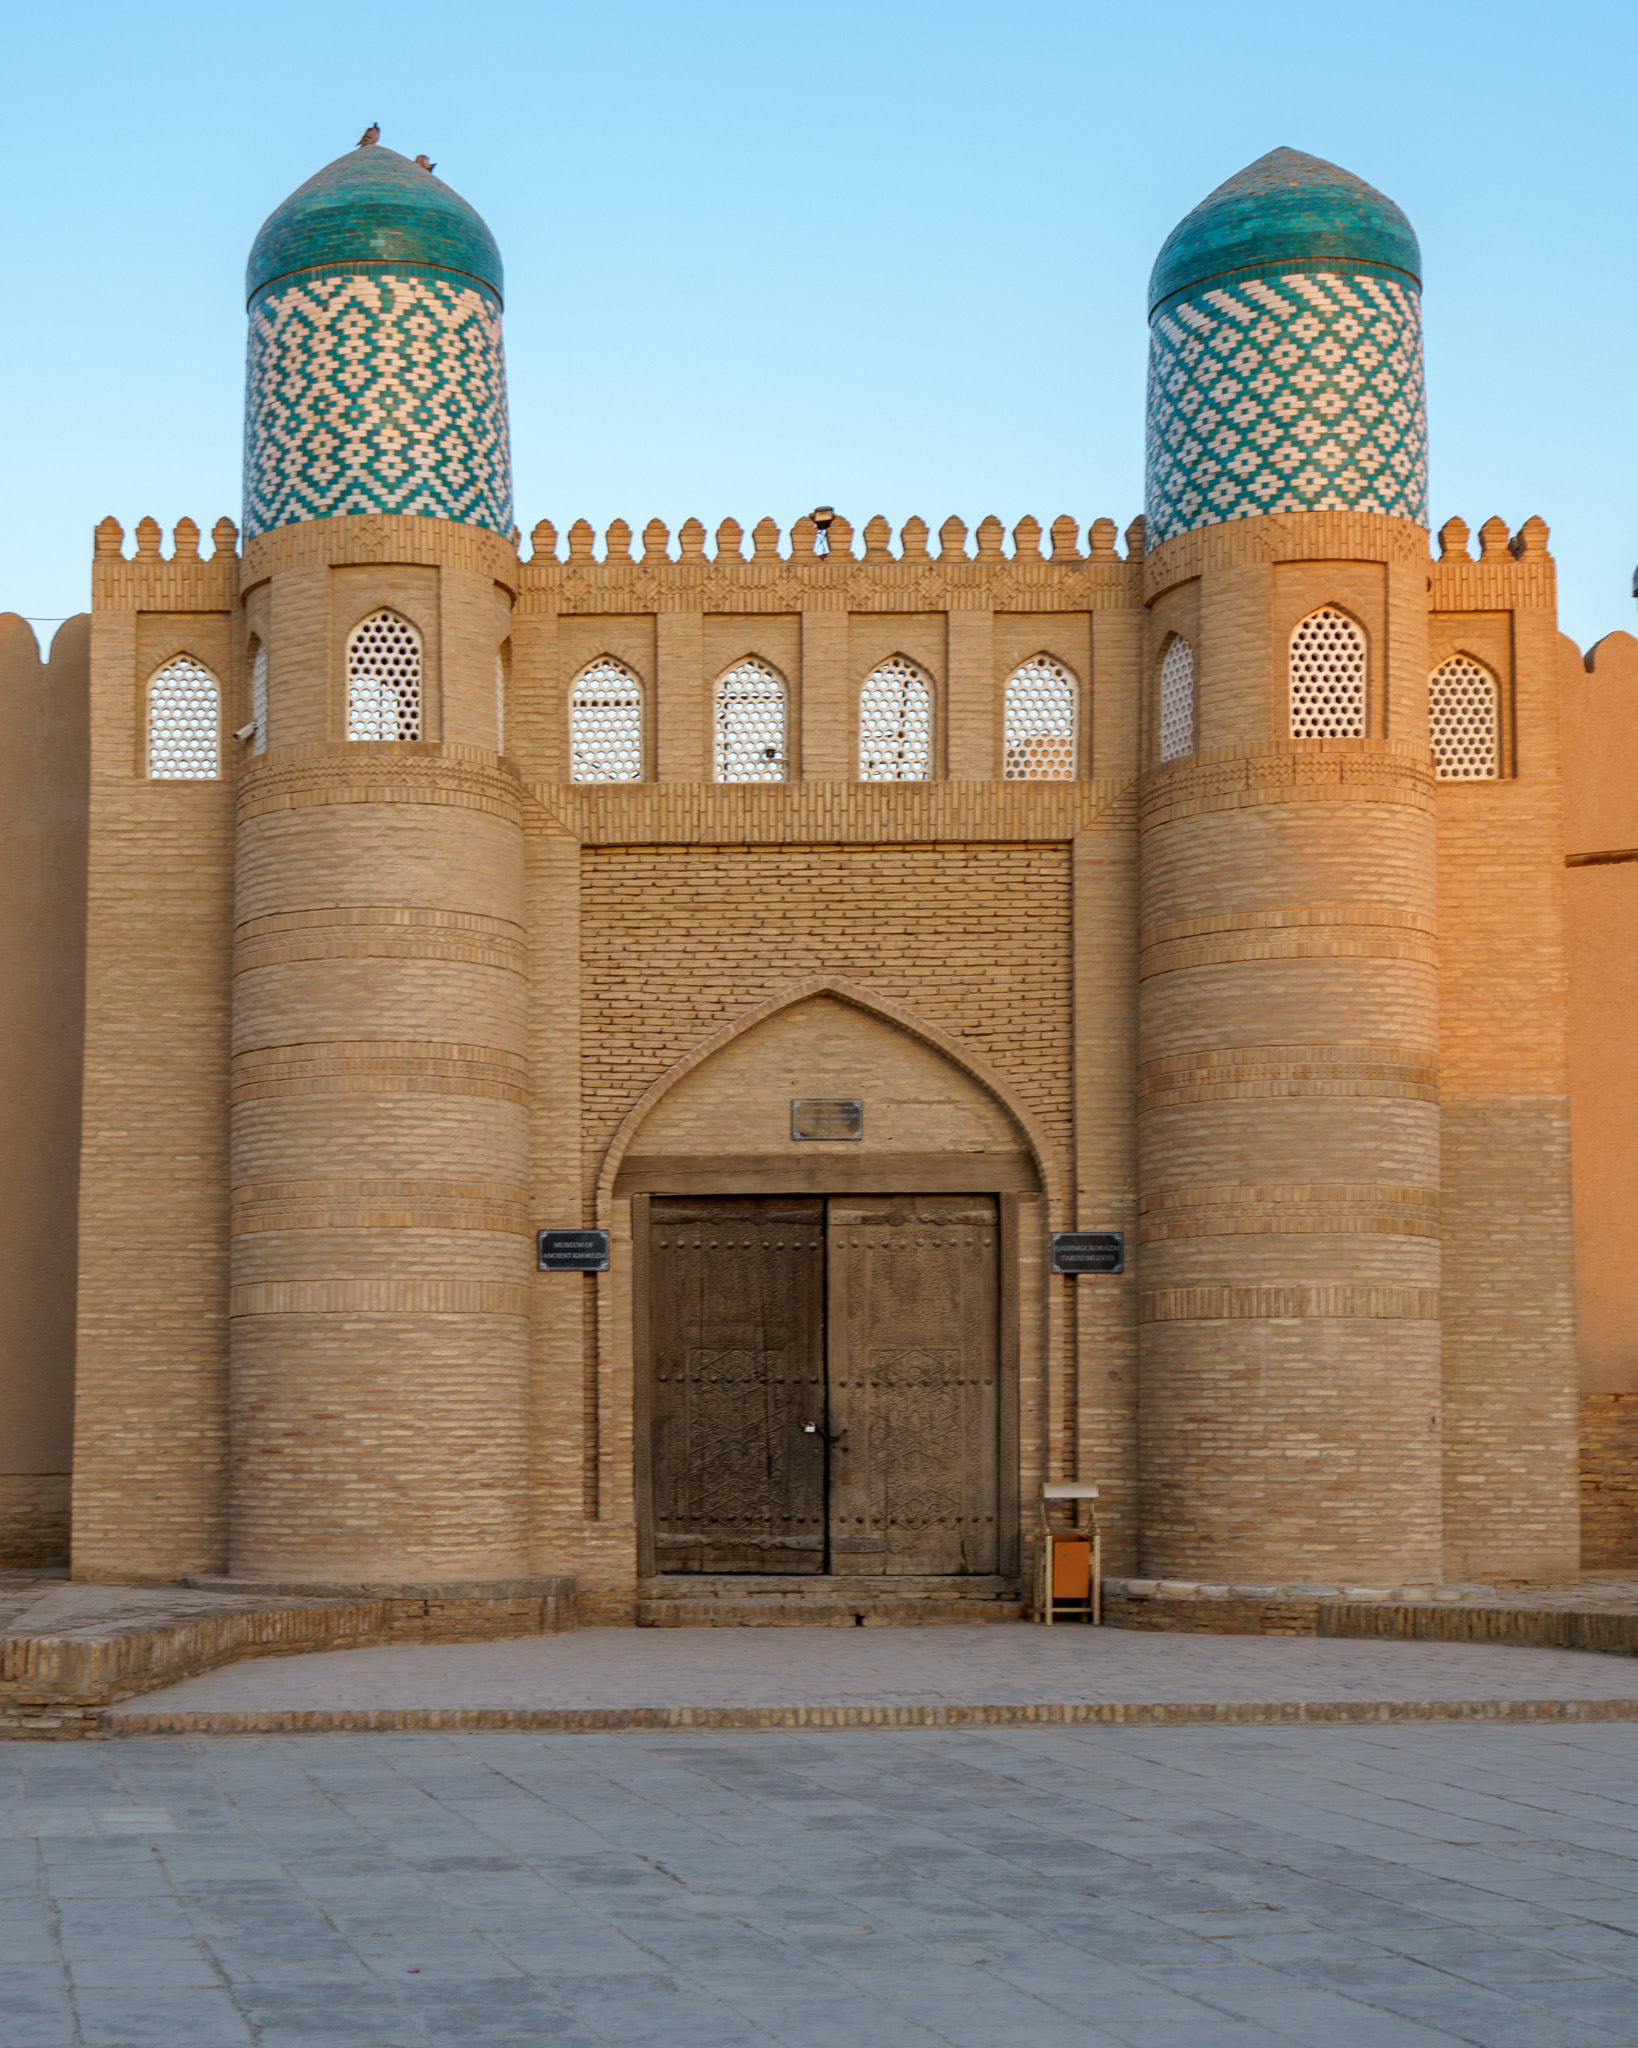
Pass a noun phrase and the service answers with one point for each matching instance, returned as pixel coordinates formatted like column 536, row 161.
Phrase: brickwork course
column 1297, row 998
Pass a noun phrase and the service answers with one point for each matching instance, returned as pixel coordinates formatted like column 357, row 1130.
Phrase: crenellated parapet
column 826, row 570
column 150, row 580
column 1514, row 572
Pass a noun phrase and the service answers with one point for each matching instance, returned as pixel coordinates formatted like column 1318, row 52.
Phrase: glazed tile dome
column 375, row 376
column 1290, row 212
column 1285, row 354
column 373, row 209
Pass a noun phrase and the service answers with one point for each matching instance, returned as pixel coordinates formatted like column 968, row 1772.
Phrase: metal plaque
column 572, row 1251
column 812, row 1116
column 1089, row 1251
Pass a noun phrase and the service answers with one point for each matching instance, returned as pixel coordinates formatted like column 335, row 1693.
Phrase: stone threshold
column 127, row 1722
column 823, row 1600
column 774, row 1611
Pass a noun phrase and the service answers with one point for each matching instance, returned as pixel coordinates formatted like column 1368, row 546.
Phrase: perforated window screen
column 258, row 700
column 1177, row 701
column 1327, row 678
column 384, row 679
column 1462, row 720
column 1040, row 722
column 750, row 724
column 184, row 743
column 606, row 725
column 896, row 724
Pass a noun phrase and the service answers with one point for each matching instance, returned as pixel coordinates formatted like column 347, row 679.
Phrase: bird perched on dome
column 371, row 134
column 426, row 163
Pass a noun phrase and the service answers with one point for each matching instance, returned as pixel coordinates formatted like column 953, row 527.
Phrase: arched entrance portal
column 826, row 1327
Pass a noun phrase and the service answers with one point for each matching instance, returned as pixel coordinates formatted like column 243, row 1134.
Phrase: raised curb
column 1067, row 1714
column 53, row 1687
column 1240, row 1612
column 540, row 1586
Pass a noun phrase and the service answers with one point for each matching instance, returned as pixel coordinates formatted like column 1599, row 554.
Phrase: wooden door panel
column 736, row 1320
column 914, row 1383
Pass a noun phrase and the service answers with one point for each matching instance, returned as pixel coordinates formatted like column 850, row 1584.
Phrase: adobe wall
column 43, row 712
column 150, row 1434
column 1508, row 1300
column 1600, row 699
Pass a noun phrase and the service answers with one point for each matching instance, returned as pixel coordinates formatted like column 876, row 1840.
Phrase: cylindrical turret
column 380, row 1079
column 1288, row 1115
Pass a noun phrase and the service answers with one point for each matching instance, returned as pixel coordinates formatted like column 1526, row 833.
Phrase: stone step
column 780, row 1611
column 827, row 1586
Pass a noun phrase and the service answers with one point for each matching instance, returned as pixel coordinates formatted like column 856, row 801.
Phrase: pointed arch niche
column 935, row 1118
column 944, row 1147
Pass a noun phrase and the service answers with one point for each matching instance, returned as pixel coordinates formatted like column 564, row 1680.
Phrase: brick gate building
column 830, row 916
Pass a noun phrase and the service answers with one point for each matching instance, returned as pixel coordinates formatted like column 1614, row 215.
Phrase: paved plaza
column 1192, row 1888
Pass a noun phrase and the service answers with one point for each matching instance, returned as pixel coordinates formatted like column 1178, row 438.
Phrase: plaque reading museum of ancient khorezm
column 572, row 1251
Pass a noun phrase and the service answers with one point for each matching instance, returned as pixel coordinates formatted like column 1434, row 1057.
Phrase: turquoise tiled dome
column 1287, row 211
column 373, row 207
column 1285, row 353
column 376, row 380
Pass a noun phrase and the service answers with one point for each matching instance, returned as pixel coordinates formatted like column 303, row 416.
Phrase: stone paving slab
column 611, row 1677
column 1328, row 1888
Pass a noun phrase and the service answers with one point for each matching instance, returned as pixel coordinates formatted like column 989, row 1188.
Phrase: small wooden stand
column 1069, row 1576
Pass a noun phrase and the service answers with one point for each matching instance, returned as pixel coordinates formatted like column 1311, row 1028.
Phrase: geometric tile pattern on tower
column 1286, row 394
column 376, row 394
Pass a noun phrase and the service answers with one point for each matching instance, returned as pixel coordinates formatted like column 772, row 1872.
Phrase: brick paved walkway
column 1392, row 1888
column 995, row 1664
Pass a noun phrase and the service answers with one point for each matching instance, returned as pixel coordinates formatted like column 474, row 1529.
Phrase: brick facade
column 1295, row 989
column 452, row 996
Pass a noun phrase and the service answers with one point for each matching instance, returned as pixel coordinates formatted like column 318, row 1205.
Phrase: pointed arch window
column 384, row 679
column 1462, row 721
column 1040, row 722
column 1177, row 701
column 184, row 722
column 749, row 736
column 1328, row 677
column 606, row 724
column 258, row 699
column 896, row 723
column 500, row 697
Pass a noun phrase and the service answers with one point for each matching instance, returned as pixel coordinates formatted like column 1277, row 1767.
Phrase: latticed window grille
column 384, row 679
column 896, row 724
column 1177, row 701
column 258, row 700
column 1462, row 720
column 1327, row 678
column 606, row 725
column 184, row 721
column 750, row 724
column 1040, row 722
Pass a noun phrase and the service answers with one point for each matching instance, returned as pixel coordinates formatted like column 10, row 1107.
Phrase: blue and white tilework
column 376, row 392
column 1295, row 393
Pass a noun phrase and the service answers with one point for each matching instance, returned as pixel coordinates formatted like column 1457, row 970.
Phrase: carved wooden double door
column 825, row 1384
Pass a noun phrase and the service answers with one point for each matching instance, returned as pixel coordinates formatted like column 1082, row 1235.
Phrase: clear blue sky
column 884, row 254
